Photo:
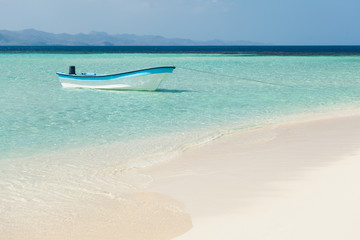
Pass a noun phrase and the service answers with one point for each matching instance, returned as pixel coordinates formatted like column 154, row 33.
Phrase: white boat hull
column 146, row 79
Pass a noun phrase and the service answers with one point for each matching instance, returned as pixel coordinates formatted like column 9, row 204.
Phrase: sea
column 58, row 145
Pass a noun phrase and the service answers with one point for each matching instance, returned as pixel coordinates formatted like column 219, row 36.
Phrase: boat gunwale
column 114, row 74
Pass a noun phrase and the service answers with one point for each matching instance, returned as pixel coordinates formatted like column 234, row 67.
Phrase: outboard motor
column 72, row 70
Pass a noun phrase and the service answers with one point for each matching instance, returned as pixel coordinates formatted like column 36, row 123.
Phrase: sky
column 282, row 22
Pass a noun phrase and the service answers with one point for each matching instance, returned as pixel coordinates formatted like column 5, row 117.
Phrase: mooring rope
column 237, row 78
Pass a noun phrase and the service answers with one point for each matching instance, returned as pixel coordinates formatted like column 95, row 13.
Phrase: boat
column 147, row 79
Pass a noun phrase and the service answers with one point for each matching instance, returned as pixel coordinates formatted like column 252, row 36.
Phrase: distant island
column 32, row 37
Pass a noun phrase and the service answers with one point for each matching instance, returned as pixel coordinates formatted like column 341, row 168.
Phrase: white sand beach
column 295, row 180
column 292, row 181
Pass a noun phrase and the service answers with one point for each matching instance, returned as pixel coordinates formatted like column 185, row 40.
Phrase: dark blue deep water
column 260, row 50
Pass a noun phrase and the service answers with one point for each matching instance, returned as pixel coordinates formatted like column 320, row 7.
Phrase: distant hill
column 32, row 37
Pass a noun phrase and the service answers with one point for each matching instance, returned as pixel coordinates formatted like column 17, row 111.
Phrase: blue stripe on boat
column 157, row 70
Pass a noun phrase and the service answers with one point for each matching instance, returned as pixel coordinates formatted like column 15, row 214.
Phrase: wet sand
column 296, row 180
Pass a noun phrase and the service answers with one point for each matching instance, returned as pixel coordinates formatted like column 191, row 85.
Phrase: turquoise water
column 38, row 116
column 63, row 152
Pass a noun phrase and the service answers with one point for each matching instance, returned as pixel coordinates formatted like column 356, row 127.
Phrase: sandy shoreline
column 296, row 180
column 292, row 181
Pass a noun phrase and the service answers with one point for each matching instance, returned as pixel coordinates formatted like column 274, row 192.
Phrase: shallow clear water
column 206, row 92
column 38, row 115
column 61, row 147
